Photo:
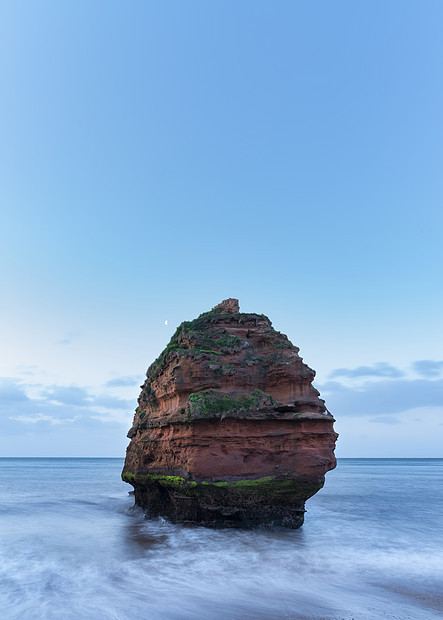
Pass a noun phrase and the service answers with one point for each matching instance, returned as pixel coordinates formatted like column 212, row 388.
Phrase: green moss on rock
column 198, row 336
column 211, row 402
column 269, row 488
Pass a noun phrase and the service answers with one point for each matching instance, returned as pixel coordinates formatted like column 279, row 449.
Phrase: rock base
column 267, row 502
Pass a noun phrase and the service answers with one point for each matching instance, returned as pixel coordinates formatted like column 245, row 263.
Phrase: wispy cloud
column 11, row 392
column 428, row 368
column 380, row 369
column 80, row 397
column 111, row 402
column 382, row 397
column 28, row 369
column 127, row 381
column 55, row 405
column 386, row 419
column 67, row 395
column 43, row 418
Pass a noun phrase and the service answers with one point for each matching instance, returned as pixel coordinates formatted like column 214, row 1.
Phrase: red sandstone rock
column 229, row 305
column 229, row 430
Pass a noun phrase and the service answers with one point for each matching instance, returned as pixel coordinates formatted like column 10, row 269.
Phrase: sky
column 158, row 157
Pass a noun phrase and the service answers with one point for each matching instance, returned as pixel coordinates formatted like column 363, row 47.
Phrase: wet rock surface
column 229, row 430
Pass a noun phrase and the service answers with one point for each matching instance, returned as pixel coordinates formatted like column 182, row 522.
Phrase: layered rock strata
column 229, row 430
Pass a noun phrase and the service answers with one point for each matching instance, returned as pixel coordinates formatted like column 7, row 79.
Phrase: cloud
column 46, row 407
column 386, row 419
column 110, row 402
column 380, row 369
column 43, row 418
column 127, row 381
column 67, row 395
column 11, row 392
column 28, row 369
column 382, row 397
column 428, row 368
column 80, row 397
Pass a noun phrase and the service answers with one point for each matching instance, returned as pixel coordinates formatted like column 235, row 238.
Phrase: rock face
column 229, row 430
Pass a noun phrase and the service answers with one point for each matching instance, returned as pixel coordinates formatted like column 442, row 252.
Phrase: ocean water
column 73, row 547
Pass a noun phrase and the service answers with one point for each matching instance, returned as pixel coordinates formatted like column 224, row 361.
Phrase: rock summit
column 229, row 430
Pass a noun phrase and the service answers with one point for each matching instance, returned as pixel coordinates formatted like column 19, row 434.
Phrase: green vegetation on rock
column 172, row 481
column 210, row 402
column 267, row 487
column 197, row 337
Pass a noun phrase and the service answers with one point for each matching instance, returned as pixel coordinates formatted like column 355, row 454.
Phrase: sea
column 73, row 546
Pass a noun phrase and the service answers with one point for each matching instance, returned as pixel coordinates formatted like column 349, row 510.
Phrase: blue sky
column 158, row 157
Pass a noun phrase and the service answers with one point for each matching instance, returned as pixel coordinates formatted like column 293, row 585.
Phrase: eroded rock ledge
column 229, row 430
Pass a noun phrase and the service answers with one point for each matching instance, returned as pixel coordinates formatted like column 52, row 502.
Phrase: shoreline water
column 73, row 546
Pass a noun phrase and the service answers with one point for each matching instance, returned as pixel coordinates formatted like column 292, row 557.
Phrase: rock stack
column 229, row 430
